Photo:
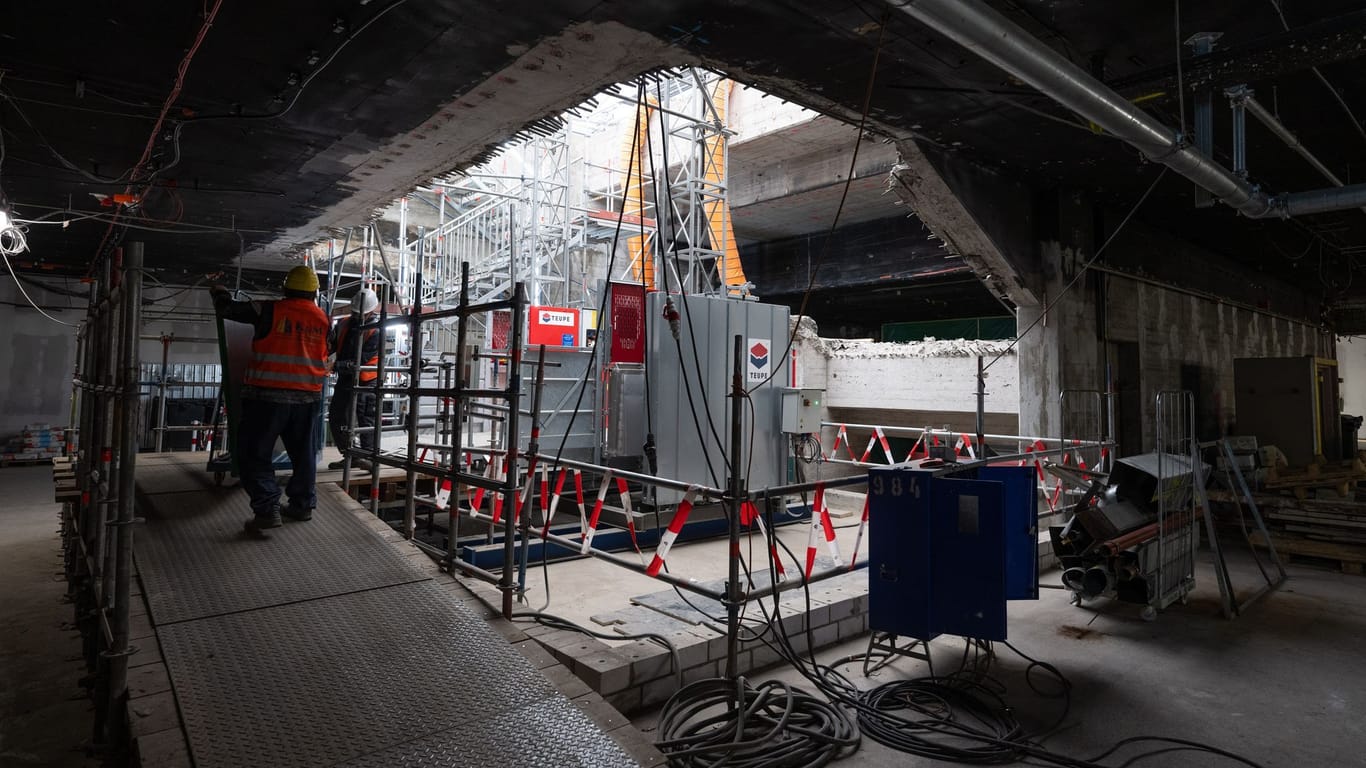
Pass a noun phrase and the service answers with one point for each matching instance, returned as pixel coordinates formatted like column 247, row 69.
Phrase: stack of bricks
column 635, row 674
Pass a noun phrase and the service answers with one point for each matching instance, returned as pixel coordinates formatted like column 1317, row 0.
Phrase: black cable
column 719, row 722
column 844, row 196
column 687, row 315
column 593, row 353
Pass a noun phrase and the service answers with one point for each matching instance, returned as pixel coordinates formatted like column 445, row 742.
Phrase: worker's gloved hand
column 346, row 366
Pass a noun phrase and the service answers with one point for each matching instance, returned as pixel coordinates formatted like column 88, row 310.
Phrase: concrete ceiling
column 293, row 123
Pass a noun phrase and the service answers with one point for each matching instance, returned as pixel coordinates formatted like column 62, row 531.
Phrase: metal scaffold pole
column 511, row 483
column 128, row 450
column 736, row 492
column 414, row 385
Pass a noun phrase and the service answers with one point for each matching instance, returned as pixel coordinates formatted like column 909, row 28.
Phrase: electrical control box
column 802, row 410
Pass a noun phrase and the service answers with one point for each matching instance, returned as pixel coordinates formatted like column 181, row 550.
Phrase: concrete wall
column 930, row 383
column 1351, row 352
column 754, row 113
column 1183, row 341
column 36, row 357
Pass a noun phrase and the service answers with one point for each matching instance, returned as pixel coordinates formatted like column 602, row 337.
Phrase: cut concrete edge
column 156, row 731
column 639, row 673
column 486, row 601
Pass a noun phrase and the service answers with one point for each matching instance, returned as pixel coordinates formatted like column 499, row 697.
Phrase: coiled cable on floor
column 717, row 722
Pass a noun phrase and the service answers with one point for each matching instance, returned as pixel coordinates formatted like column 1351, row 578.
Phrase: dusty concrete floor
column 45, row 716
column 1284, row 685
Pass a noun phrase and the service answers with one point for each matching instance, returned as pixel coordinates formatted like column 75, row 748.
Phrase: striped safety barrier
column 590, row 527
column 862, row 526
column 666, row 542
column 549, row 509
column 878, row 438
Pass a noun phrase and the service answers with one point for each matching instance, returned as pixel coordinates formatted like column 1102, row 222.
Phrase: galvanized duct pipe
column 1269, row 120
column 1314, row 201
column 979, row 28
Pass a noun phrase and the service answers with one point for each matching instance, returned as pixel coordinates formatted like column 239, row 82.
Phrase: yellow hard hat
column 302, row 278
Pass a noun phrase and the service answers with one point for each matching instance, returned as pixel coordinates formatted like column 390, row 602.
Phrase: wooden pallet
column 1341, row 476
column 1350, row 558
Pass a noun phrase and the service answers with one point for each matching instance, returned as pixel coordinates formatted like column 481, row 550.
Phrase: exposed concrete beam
column 557, row 73
column 980, row 217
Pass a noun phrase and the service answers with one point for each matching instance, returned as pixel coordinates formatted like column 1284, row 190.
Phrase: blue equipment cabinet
column 945, row 553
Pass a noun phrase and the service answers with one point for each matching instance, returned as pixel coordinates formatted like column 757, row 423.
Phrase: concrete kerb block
column 604, row 671
column 153, row 713
column 535, row 653
column 601, row 712
column 507, row 629
column 566, row 681
column 658, row 691
column 638, row 746
column 702, row 672
column 147, row 680
column 163, row 749
column 648, row 661
column 825, row 636
column 852, row 627
column 627, row 701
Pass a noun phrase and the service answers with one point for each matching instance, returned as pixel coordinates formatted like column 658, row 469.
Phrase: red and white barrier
column 666, row 542
column 549, row 509
column 862, row 526
column 591, row 526
column 876, row 438
column 443, row 495
column 818, row 523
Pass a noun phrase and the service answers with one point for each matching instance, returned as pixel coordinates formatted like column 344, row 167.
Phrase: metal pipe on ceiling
column 981, row 29
column 1313, row 201
column 1278, row 128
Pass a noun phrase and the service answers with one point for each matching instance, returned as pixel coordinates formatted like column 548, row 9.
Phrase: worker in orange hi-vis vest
column 281, row 396
column 355, row 384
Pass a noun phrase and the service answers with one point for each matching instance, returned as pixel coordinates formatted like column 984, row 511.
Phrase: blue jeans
column 296, row 425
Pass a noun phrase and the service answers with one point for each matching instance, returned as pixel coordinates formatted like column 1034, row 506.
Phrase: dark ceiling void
column 289, row 123
column 869, row 273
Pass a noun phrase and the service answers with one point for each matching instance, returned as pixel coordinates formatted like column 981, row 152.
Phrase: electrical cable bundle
column 962, row 717
column 718, row 722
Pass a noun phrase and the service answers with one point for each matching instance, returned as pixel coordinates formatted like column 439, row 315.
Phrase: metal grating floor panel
column 174, row 477
column 551, row 733
column 395, row 676
column 195, row 561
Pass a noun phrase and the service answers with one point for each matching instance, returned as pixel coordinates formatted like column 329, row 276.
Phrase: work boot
column 338, row 464
column 361, row 464
column 297, row 514
column 260, row 523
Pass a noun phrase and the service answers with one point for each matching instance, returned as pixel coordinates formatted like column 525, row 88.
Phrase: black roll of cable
column 717, row 722
column 942, row 718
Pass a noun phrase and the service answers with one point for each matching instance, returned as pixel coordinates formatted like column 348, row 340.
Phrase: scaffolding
column 97, row 529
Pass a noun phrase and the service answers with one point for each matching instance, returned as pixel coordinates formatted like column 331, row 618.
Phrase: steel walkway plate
column 196, row 562
column 401, row 675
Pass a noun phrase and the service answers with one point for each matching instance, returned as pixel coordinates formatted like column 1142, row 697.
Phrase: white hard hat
column 365, row 301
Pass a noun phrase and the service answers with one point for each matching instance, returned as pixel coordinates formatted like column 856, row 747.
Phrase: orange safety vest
column 343, row 328
column 294, row 354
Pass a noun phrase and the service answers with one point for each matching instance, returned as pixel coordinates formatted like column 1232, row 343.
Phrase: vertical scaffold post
column 512, row 436
column 128, row 451
column 414, row 385
column 736, row 492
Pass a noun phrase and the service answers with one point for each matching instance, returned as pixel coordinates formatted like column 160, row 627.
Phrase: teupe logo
column 758, row 355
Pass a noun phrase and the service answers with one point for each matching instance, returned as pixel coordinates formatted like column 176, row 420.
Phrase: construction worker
column 342, row 343
column 281, row 396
